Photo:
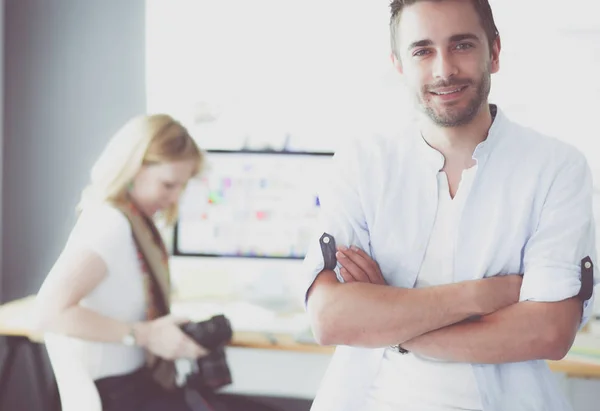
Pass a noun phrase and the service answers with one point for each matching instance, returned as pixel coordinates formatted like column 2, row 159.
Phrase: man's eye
column 464, row 46
column 169, row 186
column 421, row 53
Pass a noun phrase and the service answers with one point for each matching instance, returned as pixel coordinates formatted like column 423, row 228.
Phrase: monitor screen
column 251, row 204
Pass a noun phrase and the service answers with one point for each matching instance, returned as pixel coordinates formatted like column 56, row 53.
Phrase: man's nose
column 444, row 66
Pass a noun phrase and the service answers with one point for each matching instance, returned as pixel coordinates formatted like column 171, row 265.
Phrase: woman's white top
column 105, row 231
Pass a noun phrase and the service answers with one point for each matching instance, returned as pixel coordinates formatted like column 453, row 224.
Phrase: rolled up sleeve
column 565, row 235
column 341, row 213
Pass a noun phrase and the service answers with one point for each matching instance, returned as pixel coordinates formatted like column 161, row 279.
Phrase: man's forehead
column 438, row 21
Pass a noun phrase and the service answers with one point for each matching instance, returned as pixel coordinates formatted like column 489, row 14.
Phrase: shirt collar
column 482, row 151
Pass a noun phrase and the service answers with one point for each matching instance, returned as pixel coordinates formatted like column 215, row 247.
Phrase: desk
column 16, row 325
column 310, row 361
column 573, row 365
column 274, row 341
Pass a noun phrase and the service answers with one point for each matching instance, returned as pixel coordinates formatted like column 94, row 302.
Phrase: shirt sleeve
column 564, row 237
column 341, row 212
column 102, row 229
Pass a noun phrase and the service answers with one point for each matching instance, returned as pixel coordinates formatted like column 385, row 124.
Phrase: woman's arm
column 73, row 277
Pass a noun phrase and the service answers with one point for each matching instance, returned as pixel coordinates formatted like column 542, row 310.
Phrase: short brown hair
column 482, row 7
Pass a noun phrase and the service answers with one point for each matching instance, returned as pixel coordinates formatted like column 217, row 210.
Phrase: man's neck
column 458, row 143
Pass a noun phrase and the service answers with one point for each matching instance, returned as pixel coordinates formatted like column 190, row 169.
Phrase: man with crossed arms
column 478, row 239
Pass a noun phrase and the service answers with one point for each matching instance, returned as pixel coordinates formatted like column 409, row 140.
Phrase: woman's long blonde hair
column 143, row 140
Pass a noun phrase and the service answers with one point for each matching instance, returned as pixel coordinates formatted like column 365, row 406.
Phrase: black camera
column 212, row 370
column 212, row 333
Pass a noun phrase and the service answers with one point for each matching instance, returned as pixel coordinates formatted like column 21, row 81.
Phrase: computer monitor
column 251, row 204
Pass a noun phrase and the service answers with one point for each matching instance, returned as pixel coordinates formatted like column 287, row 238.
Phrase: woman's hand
column 164, row 338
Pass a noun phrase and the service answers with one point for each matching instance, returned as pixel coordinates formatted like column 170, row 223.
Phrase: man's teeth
column 443, row 93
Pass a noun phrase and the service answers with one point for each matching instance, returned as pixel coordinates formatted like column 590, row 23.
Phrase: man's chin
column 450, row 116
column 447, row 119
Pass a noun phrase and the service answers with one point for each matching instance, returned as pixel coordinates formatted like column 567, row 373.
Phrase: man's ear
column 396, row 62
column 495, row 55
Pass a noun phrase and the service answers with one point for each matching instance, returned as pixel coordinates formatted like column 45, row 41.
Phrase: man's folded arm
column 544, row 323
column 521, row 332
column 369, row 315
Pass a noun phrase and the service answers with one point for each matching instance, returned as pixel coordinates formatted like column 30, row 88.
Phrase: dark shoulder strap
column 151, row 250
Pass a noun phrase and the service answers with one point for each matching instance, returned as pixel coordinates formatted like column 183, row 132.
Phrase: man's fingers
column 366, row 257
column 355, row 257
column 351, row 267
column 346, row 275
column 370, row 266
column 360, row 252
column 365, row 263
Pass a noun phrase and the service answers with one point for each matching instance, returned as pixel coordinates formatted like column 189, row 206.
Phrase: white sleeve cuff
column 549, row 284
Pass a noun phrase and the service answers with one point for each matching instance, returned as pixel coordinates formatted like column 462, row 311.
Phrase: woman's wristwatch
column 129, row 339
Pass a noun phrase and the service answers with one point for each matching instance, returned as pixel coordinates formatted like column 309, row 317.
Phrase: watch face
column 129, row 340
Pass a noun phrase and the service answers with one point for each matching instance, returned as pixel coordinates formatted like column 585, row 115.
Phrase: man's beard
column 456, row 116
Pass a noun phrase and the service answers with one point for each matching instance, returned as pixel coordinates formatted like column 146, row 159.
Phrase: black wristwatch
column 399, row 348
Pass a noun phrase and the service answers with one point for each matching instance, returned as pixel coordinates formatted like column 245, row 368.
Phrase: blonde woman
column 107, row 295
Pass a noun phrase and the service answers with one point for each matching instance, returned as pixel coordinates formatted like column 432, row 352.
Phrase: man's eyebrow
column 453, row 39
column 420, row 43
column 466, row 36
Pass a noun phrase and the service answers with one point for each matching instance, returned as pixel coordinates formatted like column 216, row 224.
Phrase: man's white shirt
column 528, row 210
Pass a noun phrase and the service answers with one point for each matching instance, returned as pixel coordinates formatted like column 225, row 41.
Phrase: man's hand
column 490, row 294
column 357, row 266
